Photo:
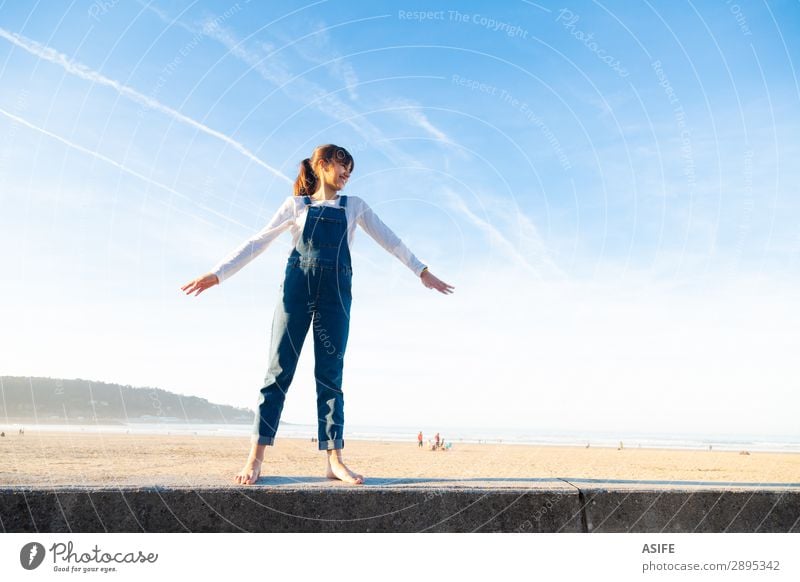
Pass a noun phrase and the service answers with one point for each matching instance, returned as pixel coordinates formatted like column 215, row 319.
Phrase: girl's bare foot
column 338, row 470
column 249, row 473
column 252, row 468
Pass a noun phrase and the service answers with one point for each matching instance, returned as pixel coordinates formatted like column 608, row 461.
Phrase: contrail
column 84, row 72
column 530, row 235
column 116, row 164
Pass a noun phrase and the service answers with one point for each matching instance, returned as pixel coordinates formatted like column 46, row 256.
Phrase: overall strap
column 307, row 200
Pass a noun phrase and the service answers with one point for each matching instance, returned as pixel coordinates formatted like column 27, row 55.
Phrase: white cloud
column 268, row 64
column 422, row 121
column 527, row 251
column 413, row 113
column 79, row 70
column 119, row 166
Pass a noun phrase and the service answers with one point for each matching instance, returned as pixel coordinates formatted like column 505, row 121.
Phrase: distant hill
column 53, row 400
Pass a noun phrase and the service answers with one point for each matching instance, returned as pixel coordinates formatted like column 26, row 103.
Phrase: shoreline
column 301, row 432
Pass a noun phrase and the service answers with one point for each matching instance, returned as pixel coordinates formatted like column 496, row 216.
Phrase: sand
column 41, row 458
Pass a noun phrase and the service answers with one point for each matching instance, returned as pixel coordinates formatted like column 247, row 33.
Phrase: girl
column 316, row 291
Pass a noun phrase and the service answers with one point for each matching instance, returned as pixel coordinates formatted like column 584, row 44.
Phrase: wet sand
column 90, row 459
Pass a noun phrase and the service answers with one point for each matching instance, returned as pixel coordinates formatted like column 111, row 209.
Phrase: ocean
column 455, row 435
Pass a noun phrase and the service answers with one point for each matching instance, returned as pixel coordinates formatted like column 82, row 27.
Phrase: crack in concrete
column 582, row 501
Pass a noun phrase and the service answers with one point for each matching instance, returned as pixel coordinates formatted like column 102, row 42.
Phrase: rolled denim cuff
column 262, row 440
column 331, row 445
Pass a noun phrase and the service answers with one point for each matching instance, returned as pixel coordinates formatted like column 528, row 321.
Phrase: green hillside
column 54, row 400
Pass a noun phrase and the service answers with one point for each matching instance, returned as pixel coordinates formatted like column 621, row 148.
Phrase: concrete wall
column 399, row 509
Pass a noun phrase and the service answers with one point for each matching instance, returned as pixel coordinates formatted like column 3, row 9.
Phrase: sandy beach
column 87, row 459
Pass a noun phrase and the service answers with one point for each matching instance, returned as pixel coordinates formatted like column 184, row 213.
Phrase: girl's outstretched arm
column 384, row 236
column 282, row 220
column 246, row 252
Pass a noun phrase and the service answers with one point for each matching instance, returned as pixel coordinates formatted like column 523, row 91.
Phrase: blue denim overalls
column 316, row 289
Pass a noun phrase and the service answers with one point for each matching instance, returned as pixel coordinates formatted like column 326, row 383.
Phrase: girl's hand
column 200, row 284
column 431, row 281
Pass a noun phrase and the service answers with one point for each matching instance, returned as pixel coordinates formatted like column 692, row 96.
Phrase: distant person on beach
column 316, row 288
column 419, row 439
column 436, row 440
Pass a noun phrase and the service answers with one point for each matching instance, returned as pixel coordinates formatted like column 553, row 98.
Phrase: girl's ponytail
column 307, row 180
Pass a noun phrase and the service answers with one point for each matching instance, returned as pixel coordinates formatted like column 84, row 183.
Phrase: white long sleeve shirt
column 291, row 216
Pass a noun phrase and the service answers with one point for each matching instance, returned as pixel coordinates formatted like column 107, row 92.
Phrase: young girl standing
column 316, row 292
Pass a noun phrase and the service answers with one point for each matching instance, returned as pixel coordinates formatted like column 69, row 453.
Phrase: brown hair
column 307, row 180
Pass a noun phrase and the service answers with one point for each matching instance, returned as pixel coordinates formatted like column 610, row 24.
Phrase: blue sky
column 609, row 187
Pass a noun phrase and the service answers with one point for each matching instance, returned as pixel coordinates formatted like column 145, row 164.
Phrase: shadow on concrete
column 516, row 482
column 390, row 481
